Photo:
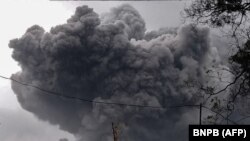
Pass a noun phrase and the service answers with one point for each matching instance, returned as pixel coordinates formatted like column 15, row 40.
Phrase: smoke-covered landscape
column 98, row 69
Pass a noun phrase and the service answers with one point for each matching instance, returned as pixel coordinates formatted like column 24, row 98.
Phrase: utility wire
column 92, row 101
column 114, row 103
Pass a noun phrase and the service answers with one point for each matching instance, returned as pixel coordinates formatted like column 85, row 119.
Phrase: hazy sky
column 17, row 16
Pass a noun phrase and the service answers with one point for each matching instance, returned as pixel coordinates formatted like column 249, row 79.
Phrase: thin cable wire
column 113, row 103
column 91, row 101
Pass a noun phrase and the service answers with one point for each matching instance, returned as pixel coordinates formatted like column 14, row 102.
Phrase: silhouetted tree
column 219, row 12
column 234, row 14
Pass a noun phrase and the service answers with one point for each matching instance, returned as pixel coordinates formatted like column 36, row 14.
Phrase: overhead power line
column 115, row 103
column 92, row 101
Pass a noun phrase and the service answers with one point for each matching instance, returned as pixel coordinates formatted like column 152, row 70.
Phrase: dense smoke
column 63, row 139
column 112, row 59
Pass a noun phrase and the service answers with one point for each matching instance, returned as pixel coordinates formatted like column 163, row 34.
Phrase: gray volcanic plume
column 112, row 59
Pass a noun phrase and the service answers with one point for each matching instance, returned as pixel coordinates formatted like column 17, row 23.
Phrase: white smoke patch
column 112, row 59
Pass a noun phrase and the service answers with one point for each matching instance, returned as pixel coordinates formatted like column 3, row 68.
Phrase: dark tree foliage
column 242, row 59
column 226, row 12
column 233, row 13
column 219, row 12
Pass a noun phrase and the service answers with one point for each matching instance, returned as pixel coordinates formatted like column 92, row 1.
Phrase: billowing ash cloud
column 112, row 59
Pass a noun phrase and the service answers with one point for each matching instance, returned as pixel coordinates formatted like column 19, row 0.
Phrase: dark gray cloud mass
column 112, row 59
column 63, row 139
